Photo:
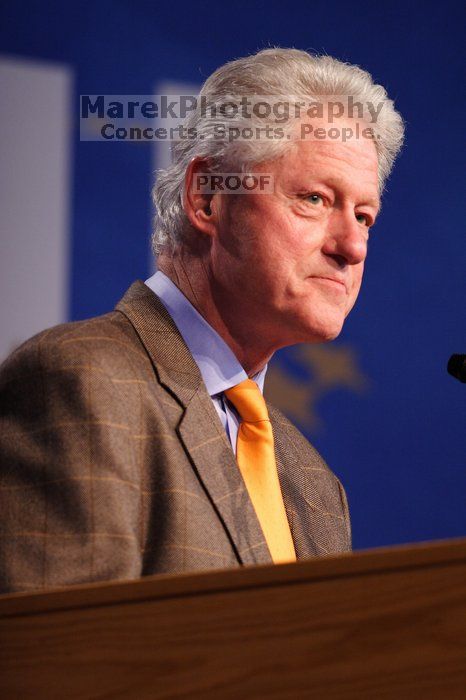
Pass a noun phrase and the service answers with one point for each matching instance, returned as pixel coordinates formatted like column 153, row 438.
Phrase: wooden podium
column 386, row 623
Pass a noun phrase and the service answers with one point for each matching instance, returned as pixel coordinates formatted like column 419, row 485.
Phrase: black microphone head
column 457, row 367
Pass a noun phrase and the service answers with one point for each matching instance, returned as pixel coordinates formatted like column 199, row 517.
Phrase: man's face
column 289, row 264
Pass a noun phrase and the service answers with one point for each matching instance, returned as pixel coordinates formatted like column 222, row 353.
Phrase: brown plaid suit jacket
column 115, row 465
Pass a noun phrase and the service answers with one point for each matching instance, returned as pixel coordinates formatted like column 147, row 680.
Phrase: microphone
column 457, row 367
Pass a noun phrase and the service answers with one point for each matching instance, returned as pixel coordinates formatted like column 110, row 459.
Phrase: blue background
column 400, row 446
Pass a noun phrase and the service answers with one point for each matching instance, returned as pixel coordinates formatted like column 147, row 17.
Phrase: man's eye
column 315, row 198
column 363, row 219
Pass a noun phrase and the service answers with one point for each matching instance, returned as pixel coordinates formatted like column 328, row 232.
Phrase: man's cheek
column 353, row 295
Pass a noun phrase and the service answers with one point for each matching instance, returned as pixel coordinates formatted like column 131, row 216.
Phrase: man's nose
column 346, row 238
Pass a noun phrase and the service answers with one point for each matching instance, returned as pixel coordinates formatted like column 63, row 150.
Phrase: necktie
column 256, row 460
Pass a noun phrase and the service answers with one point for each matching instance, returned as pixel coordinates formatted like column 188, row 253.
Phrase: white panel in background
column 162, row 149
column 35, row 154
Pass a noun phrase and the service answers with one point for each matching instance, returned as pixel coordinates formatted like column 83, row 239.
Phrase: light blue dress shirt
column 218, row 365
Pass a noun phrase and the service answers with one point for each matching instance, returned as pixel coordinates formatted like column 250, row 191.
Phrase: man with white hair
column 139, row 442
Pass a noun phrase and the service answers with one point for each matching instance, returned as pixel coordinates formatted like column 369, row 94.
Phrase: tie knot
column 246, row 397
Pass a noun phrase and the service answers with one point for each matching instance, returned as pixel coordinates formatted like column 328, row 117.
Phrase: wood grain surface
column 388, row 623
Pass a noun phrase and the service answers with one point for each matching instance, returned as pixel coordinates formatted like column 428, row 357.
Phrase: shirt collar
column 217, row 364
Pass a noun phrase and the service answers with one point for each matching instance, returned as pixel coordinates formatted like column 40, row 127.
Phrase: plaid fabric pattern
column 114, row 463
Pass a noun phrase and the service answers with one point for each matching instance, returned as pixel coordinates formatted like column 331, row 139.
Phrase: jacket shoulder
column 109, row 340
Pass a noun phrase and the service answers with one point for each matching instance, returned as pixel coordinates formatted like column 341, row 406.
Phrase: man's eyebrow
column 373, row 202
column 336, row 183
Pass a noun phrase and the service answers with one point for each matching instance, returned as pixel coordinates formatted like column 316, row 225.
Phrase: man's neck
column 192, row 276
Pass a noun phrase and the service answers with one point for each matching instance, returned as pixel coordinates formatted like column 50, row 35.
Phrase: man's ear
column 197, row 202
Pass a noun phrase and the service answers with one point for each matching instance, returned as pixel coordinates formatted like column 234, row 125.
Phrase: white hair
column 270, row 72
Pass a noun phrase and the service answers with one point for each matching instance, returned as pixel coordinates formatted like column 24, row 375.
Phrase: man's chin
column 323, row 332
column 330, row 335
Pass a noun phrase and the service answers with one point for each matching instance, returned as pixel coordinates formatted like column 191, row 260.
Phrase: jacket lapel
column 309, row 492
column 205, row 441
column 200, row 429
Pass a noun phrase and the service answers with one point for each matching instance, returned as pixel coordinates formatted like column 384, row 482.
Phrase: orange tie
column 256, row 459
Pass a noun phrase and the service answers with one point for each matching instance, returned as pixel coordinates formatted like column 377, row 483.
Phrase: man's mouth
column 334, row 282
